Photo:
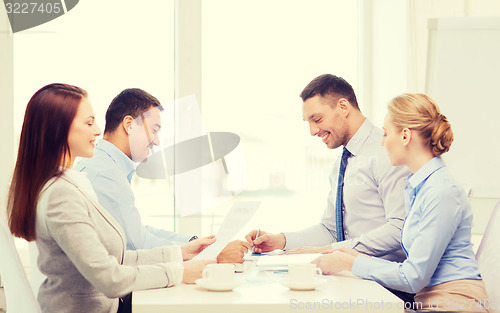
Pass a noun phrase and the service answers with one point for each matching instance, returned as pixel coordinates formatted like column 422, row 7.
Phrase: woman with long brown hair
column 81, row 247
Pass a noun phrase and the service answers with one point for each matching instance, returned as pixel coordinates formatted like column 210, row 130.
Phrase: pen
column 258, row 234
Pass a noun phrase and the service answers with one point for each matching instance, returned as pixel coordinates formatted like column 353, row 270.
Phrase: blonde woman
column 440, row 268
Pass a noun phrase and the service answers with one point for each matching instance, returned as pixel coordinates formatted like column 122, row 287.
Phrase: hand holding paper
column 235, row 220
column 192, row 248
column 234, row 252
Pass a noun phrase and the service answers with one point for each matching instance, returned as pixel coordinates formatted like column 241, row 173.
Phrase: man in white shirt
column 372, row 204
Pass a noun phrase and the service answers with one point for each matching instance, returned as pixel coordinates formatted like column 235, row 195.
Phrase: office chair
column 18, row 293
column 488, row 257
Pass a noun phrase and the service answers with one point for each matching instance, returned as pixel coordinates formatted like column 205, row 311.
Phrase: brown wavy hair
column 43, row 148
column 419, row 112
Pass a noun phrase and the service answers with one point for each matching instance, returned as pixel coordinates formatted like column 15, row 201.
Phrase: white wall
column 399, row 57
column 422, row 11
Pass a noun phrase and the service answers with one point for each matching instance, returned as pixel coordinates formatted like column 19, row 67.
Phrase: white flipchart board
column 463, row 76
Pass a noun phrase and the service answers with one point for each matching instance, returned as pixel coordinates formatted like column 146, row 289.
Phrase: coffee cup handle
column 318, row 271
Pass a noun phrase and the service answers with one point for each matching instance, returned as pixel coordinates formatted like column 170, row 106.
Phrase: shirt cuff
column 184, row 238
column 361, row 266
column 292, row 241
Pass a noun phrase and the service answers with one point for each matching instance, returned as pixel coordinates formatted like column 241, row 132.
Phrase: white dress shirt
column 373, row 208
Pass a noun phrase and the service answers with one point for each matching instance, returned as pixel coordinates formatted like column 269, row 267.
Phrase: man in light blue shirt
column 132, row 124
column 111, row 169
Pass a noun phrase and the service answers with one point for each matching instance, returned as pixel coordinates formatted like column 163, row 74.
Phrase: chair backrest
column 18, row 293
column 488, row 256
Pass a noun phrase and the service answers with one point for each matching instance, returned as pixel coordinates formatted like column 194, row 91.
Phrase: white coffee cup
column 303, row 273
column 220, row 273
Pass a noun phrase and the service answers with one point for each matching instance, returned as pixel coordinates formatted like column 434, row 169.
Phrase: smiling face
column 394, row 142
column 83, row 131
column 326, row 120
column 143, row 134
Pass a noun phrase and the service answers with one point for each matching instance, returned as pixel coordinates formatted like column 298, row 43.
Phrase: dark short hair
column 330, row 85
column 131, row 101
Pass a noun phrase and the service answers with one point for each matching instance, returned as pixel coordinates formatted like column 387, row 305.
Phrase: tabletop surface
column 262, row 290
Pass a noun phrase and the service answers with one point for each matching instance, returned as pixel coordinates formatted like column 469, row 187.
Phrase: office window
column 256, row 57
column 103, row 47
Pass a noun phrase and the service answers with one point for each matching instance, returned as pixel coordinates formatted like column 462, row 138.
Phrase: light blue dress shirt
column 436, row 236
column 110, row 172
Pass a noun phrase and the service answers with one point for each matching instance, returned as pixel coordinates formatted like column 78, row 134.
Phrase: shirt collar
column 126, row 165
column 425, row 171
column 357, row 141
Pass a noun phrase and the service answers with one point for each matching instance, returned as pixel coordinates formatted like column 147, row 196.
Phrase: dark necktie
column 338, row 204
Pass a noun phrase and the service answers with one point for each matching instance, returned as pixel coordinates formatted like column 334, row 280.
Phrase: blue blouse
column 436, row 235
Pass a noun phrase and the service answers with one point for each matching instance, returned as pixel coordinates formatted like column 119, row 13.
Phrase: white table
column 262, row 292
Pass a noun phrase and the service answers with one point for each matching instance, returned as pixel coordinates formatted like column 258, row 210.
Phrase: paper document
column 237, row 217
column 271, row 261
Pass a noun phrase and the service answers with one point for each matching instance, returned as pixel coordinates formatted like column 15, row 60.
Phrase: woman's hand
column 192, row 248
column 334, row 262
column 194, row 269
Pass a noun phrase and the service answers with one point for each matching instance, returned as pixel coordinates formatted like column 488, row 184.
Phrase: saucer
column 303, row 285
column 207, row 284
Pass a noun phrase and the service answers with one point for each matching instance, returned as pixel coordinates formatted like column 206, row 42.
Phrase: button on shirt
column 436, row 235
column 110, row 172
column 373, row 201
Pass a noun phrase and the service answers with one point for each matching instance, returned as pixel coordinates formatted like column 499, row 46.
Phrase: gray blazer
column 82, row 252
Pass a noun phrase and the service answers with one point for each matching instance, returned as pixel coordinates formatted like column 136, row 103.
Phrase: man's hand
column 192, row 248
column 309, row 249
column 234, row 252
column 194, row 269
column 265, row 242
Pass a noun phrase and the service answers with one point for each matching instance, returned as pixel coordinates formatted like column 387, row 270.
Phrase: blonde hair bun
column 421, row 113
